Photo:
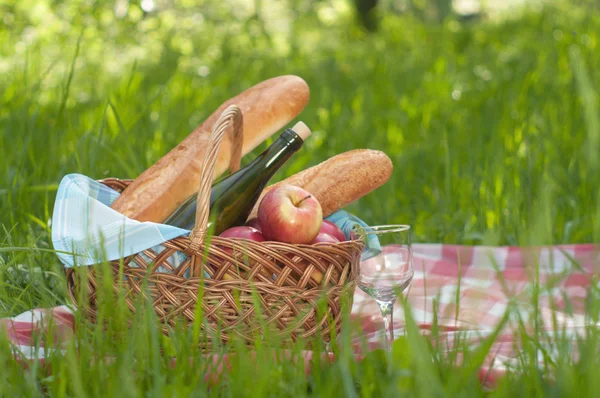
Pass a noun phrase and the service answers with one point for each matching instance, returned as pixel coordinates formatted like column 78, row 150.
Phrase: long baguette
column 162, row 188
column 341, row 179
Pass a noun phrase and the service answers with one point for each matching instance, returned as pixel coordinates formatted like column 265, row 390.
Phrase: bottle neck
column 257, row 174
column 275, row 155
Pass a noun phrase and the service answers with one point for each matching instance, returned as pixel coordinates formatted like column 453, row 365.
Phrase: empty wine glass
column 386, row 269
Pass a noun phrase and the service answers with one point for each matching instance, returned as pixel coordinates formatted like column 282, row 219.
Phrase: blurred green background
column 488, row 110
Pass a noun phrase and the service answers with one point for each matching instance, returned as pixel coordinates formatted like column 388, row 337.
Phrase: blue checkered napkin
column 85, row 230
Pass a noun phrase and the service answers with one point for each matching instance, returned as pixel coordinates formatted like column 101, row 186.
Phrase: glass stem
column 387, row 312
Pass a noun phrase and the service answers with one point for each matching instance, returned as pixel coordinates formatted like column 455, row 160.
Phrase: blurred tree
column 431, row 10
column 368, row 11
column 367, row 14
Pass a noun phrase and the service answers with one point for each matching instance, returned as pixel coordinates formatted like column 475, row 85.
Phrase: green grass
column 493, row 128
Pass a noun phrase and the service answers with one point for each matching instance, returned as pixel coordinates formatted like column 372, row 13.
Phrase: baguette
column 341, row 179
column 162, row 188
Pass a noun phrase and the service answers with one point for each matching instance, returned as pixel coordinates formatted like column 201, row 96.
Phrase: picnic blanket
column 485, row 280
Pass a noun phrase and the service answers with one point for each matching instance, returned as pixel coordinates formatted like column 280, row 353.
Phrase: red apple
column 330, row 228
column 290, row 214
column 242, row 232
column 253, row 222
column 323, row 237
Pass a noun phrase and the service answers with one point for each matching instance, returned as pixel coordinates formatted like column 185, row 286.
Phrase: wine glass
column 386, row 268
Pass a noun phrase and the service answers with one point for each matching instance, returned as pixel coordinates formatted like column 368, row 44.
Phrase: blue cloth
column 86, row 231
column 347, row 222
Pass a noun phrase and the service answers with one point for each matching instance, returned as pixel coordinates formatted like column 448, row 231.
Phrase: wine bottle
column 232, row 198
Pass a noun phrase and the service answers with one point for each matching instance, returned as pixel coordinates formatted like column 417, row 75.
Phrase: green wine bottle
column 232, row 199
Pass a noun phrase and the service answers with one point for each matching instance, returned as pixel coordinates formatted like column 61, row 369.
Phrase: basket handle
column 231, row 117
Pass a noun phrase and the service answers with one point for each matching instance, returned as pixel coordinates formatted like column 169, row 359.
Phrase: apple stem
column 303, row 199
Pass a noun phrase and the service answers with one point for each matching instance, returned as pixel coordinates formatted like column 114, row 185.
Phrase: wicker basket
column 288, row 280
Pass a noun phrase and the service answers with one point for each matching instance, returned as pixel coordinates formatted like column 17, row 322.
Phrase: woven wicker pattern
column 288, row 281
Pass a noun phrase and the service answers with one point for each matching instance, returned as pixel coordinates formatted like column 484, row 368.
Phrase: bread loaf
column 341, row 179
column 162, row 188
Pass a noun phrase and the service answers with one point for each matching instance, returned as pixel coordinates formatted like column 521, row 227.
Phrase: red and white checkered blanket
column 484, row 281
